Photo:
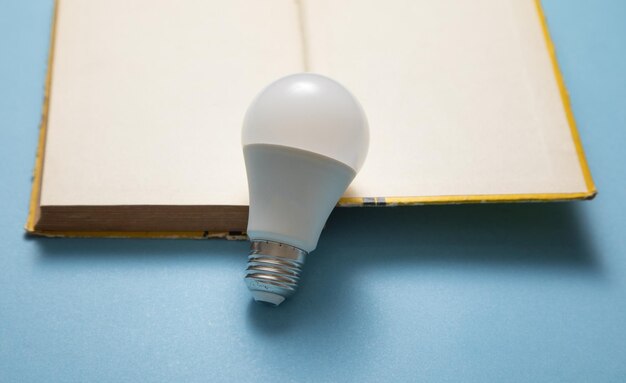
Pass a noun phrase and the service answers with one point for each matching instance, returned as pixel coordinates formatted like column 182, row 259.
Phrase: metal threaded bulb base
column 273, row 271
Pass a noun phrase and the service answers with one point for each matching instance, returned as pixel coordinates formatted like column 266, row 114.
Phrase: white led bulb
column 304, row 139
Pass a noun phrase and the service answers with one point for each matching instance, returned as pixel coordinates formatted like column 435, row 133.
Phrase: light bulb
column 304, row 139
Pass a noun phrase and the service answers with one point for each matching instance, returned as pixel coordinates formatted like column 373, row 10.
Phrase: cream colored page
column 148, row 97
column 460, row 95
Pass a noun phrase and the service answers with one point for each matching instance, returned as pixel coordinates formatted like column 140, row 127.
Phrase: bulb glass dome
column 309, row 112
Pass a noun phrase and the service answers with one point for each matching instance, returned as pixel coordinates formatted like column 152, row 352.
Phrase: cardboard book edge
column 35, row 195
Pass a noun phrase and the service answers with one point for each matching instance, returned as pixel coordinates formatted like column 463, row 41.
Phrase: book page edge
column 236, row 236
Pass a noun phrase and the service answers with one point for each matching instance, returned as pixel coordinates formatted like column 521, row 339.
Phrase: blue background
column 529, row 293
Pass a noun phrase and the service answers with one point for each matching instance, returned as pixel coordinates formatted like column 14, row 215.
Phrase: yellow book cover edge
column 33, row 213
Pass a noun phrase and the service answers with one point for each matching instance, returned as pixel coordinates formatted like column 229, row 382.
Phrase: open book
column 145, row 102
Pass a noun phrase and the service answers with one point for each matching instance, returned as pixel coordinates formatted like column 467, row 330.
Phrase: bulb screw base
column 273, row 271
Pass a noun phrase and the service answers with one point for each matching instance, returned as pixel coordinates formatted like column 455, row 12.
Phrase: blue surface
column 528, row 293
